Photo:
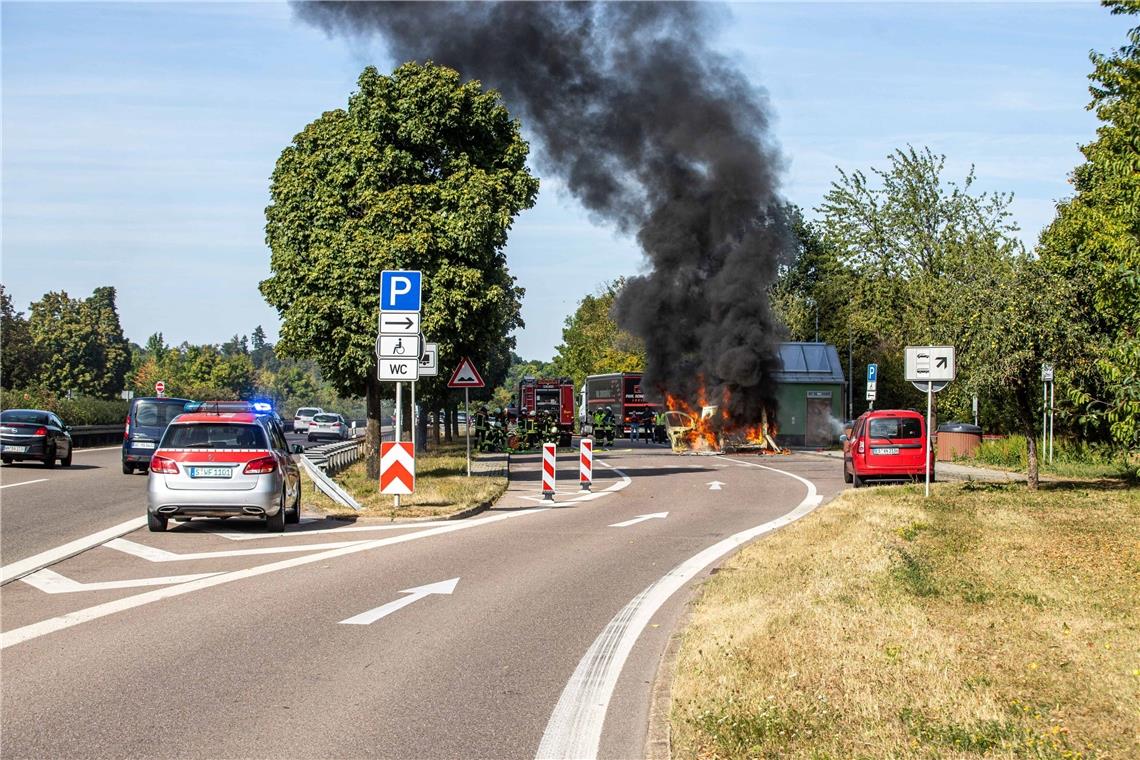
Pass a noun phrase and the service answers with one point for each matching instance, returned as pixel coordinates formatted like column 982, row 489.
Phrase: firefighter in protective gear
column 481, row 427
column 659, row 427
column 608, row 425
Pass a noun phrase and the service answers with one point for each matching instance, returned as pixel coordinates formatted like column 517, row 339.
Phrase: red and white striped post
column 586, row 464
column 549, row 462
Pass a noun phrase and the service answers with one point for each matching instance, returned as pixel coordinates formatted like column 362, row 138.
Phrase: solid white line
column 575, row 726
column 153, row 554
column 44, row 627
column 100, row 448
column 70, row 549
column 51, row 582
column 25, row 483
column 316, row 533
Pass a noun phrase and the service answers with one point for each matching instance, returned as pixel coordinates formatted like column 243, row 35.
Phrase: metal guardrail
column 94, row 435
column 335, row 457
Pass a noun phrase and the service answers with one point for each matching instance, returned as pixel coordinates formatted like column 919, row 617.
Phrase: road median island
column 986, row 621
column 443, row 489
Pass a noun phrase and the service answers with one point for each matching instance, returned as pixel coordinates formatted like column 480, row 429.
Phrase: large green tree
column 80, row 343
column 592, row 342
column 18, row 360
column 1094, row 243
column 421, row 171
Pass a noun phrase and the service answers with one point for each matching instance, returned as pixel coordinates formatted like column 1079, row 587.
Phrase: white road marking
column 24, row 483
column 51, row 582
column 642, row 518
column 417, row 593
column 70, row 549
column 101, row 448
column 575, row 726
column 253, row 536
column 44, row 627
column 162, row 555
column 714, row 485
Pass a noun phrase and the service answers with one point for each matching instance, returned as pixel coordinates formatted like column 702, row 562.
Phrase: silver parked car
column 327, row 425
column 304, row 417
column 224, row 464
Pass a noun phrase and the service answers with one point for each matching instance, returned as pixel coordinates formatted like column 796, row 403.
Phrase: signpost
column 159, row 388
column 930, row 369
column 398, row 346
column 466, row 377
column 1047, row 407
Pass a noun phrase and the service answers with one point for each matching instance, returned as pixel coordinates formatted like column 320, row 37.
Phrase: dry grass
column 442, row 489
column 987, row 621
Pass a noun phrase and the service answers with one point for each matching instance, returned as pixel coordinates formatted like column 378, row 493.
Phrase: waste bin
column 958, row 439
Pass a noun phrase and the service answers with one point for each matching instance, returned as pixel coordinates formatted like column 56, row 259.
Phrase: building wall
column 792, row 415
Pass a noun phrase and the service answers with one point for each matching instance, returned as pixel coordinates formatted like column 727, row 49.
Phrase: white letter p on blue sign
column 399, row 290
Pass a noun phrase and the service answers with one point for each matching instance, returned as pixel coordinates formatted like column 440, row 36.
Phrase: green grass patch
column 442, row 488
column 1071, row 459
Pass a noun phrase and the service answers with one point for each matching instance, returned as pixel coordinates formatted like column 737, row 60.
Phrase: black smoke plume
column 651, row 131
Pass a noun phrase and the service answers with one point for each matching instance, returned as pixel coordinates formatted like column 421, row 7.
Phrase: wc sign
column 399, row 290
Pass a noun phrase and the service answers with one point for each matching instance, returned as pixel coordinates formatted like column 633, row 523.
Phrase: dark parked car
column 34, row 434
column 146, row 422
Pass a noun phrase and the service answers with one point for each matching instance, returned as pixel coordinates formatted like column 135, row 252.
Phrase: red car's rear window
column 894, row 427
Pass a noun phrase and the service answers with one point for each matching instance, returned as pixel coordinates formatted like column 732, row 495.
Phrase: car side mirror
column 843, row 438
column 298, row 448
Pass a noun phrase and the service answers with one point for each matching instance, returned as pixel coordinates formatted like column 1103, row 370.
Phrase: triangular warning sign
column 465, row 376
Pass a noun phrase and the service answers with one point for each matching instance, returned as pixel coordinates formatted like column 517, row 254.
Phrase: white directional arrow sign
column 414, row 595
column 642, row 518
column 714, row 485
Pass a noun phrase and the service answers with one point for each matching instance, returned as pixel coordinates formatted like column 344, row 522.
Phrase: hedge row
column 81, row 410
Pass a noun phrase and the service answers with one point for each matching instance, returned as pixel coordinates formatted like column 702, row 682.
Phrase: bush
column 81, row 410
column 1070, row 457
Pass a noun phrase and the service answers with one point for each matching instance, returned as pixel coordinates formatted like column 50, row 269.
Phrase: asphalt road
column 554, row 628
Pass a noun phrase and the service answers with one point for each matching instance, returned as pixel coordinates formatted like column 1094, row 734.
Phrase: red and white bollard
column 586, row 464
column 549, row 462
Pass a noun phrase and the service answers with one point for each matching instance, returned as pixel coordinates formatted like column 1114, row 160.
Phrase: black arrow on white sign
column 406, row 324
column 940, row 362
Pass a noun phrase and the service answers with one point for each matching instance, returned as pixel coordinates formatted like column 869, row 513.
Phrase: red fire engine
column 553, row 396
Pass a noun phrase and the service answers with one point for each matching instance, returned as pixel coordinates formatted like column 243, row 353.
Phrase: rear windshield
column 548, row 400
column 214, row 435
column 16, row 415
column 307, row 412
column 895, row 427
column 157, row 413
column 326, row 418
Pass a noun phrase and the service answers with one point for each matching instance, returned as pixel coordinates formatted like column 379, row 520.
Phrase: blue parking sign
column 399, row 290
column 872, row 373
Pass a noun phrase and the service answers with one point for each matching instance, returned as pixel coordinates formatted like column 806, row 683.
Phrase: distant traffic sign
column 929, row 363
column 399, row 291
column 429, row 360
column 872, row 374
column 399, row 323
column 1047, row 372
column 465, row 376
column 159, row 388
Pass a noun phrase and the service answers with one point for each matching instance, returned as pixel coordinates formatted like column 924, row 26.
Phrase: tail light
column 40, row 431
column 860, row 445
column 262, row 466
column 127, row 427
column 163, row 466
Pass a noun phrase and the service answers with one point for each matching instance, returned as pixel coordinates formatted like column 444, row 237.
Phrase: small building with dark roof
column 810, row 391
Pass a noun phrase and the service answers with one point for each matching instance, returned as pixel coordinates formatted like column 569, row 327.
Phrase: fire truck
column 553, row 396
column 621, row 391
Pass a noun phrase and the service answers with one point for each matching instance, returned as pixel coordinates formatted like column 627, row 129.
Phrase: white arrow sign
column 714, row 485
column 415, row 594
column 642, row 518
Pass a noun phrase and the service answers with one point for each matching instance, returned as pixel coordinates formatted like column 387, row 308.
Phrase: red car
column 886, row 445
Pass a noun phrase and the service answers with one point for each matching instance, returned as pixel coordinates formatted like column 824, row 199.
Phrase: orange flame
column 716, row 431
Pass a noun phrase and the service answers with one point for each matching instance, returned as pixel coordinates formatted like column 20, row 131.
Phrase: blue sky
column 138, row 138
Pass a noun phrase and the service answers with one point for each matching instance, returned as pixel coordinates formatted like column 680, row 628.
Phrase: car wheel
column 846, row 475
column 156, row 522
column 49, row 460
column 66, row 461
column 294, row 515
column 128, row 468
column 857, row 481
column 6, row 460
column 276, row 523
column 310, row 439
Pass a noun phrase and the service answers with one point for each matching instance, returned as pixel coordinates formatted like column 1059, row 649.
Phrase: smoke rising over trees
column 652, row 132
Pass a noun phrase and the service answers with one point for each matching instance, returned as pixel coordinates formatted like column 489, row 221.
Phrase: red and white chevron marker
column 586, row 463
column 397, row 468
column 549, row 462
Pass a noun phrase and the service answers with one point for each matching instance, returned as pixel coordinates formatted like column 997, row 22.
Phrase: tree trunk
column 1027, row 412
column 421, row 431
column 447, row 415
column 436, row 416
column 373, row 402
column 455, row 420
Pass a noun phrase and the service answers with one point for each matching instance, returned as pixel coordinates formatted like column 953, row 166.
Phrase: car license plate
column 211, row 472
column 885, row 450
column 15, row 449
column 143, row 444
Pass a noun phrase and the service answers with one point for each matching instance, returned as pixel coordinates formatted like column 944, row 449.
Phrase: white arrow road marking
column 714, row 485
column 575, row 726
column 70, row 549
column 51, row 582
column 642, row 518
column 153, row 554
column 51, row 625
column 417, row 593
column 24, row 483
